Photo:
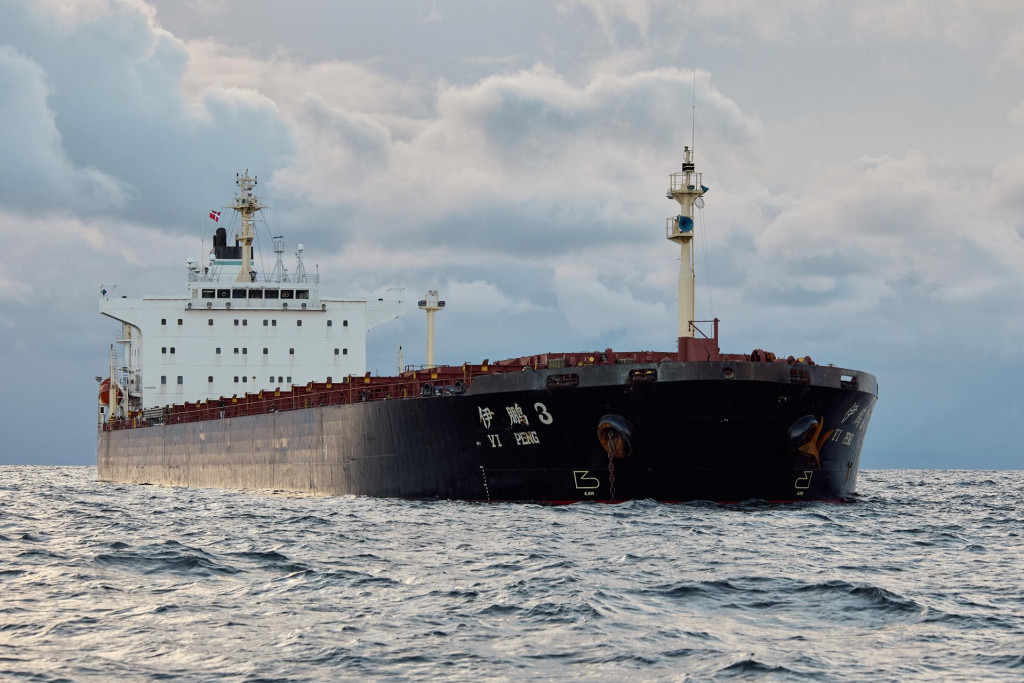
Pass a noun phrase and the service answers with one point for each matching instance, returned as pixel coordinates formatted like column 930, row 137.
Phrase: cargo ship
column 256, row 381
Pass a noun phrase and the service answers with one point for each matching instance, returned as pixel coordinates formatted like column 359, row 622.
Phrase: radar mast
column 246, row 204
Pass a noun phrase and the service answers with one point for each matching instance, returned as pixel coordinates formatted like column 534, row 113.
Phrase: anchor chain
column 612, row 445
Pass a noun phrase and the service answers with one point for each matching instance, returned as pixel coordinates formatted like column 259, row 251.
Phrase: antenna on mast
column 693, row 109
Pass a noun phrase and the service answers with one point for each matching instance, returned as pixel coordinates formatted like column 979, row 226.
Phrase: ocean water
column 922, row 578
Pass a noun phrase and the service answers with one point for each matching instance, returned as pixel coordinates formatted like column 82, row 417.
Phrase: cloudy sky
column 866, row 165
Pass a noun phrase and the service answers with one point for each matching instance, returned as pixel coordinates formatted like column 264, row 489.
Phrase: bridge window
column 209, row 293
column 223, row 293
column 271, row 294
column 237, row 293
column 287, row 293
column 301, row 293
column 255, row 293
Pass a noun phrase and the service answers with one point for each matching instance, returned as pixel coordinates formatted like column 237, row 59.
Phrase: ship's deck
column 426, row 382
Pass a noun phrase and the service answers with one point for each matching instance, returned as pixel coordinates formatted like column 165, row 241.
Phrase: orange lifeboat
column 105, row 393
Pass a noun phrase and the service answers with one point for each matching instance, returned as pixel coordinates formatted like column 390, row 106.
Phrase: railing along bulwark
column 421, row 383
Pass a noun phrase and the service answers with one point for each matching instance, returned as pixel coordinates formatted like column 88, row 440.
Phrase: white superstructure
column 234, row 331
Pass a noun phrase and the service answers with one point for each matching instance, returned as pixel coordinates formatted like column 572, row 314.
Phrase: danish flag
column 215, row 216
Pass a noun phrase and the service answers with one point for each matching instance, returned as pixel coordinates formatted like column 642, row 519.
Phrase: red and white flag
column 215, row 215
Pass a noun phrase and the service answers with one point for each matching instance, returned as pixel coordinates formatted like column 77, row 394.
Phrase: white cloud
column 65, row 16
column 481, row 298
column 528, row 139
column 10, row 288
column 863, row 238
column 595, row 310
column 607, row 12
column 1011, row 54
column 1016, row 115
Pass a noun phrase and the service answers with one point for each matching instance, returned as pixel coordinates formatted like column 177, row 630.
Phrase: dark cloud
column 96, row 113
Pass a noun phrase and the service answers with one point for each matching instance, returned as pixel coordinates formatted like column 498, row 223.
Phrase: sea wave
column 919, row 579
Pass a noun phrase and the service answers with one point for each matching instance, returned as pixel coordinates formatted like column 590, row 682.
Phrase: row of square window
column 245, row 322
column 255, row 294
column 245, row 351
column 280, row 380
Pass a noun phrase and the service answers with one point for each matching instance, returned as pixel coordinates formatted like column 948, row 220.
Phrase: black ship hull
column 674, row 431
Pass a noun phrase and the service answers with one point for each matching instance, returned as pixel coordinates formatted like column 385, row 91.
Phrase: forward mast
column 687, row 189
